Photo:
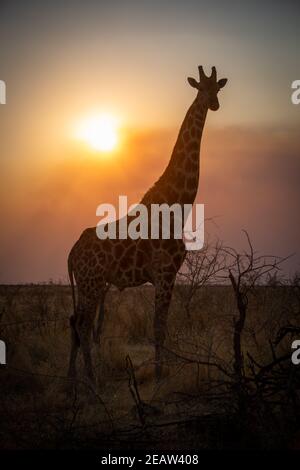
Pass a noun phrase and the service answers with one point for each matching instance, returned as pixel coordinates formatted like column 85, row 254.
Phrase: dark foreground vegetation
column 228, row 379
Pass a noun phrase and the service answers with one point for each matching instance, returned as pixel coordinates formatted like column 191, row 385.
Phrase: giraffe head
column 208, row 88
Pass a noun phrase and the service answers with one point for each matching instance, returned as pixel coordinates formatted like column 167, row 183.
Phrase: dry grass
column 38, row 407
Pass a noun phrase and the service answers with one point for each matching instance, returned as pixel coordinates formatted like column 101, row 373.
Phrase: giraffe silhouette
column 96, row 264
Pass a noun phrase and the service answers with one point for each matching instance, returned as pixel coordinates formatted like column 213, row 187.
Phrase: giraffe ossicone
column 96, row 264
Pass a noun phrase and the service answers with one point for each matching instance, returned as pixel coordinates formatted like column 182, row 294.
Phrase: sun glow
column 99, row 131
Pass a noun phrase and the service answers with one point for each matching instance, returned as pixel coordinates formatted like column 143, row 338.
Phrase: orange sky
column 62, row 64
column 246, row 183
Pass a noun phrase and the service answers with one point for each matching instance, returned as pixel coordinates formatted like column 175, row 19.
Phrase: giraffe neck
column 179, row 182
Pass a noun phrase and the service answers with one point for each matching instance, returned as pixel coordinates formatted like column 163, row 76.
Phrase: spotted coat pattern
column 97, row 264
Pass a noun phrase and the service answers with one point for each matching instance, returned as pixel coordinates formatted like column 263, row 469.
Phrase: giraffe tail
column 73, row 317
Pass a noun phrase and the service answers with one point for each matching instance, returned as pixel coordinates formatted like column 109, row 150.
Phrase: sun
column 100, row 132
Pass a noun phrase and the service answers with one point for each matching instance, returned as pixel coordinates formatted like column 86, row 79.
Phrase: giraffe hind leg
column 85, row 316
column 75, row 344
column 97, row 330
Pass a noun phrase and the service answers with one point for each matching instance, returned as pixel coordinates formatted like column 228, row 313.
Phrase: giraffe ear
column 222, row 82
column 193, row 82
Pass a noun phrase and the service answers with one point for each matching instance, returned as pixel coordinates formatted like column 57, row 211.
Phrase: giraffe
column 96, row 264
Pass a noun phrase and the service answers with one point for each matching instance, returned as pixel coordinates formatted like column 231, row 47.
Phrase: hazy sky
column 62, row 60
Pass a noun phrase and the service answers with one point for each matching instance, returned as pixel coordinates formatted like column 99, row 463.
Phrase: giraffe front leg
column 163, row 293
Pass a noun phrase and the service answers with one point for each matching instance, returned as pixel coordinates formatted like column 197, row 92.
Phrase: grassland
column 194, row 406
